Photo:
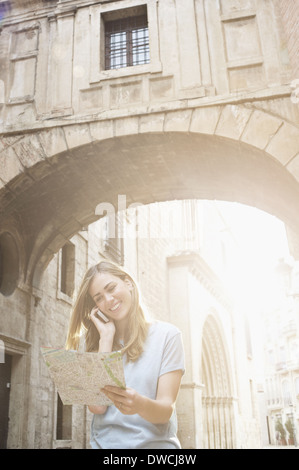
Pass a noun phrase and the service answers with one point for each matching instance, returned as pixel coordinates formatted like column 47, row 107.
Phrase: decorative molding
column 15, row 345
column 206, row 276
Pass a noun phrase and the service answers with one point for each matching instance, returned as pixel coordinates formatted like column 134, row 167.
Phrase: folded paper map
column 79, row 376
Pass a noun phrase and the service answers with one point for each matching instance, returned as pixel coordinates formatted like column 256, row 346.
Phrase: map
column 79, row 376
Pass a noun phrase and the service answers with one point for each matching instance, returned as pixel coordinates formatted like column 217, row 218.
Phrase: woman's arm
column 105, row 345
column 156, row 411
column 106, row 332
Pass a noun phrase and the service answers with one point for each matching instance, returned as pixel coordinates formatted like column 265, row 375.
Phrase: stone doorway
column 217, row 401
column 5, row 381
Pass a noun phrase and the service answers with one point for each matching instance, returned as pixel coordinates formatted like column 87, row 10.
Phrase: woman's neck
column 121, row 328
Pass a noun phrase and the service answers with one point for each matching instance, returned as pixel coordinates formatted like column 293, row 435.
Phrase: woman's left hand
column 127, row 401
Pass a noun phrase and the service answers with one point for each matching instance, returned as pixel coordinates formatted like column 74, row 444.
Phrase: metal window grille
column 126, row 42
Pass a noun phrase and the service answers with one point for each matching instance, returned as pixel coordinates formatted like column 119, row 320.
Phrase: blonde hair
column 137, row 325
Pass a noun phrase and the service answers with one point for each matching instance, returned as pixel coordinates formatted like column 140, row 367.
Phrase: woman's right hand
column 106, row 330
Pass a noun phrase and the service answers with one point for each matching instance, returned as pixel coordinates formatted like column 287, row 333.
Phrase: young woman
column 143, row 415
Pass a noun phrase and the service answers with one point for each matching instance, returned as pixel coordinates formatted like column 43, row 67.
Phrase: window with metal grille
column 126, row 42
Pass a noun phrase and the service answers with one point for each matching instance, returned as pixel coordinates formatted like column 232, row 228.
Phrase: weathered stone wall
column 52, row 64
column 290, row 18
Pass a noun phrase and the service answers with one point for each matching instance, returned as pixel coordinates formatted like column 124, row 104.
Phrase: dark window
column 9, row 264
column 64, row 421
column 67, row 269
column 126, row 42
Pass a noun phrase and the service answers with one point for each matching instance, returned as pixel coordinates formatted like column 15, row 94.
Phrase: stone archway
column 217, row 399
column 54, row 177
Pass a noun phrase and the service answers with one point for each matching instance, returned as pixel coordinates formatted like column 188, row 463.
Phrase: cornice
column 56, row 7
column 199, row 268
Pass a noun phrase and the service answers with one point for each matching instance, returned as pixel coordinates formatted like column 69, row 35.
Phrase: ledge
column 175, row 105
column 15, row 345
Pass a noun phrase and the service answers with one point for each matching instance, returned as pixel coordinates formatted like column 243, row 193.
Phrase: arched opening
column 58, row 196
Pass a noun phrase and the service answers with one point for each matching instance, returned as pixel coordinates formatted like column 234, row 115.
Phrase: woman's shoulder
column 163, row 328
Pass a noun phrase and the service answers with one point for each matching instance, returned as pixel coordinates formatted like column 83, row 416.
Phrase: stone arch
column 53, row 178
column 217, row 399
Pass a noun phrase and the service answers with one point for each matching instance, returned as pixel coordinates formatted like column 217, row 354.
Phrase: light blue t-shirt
column 163, row 352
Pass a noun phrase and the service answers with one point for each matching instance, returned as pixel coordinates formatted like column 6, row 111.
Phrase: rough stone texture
column 260, row 129
column 290, row 18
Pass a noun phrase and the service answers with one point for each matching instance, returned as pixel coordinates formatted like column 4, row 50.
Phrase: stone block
column 101, row 130
column 125, row 94
column 126, row 126
column 161, row 88
column 242, row 38
column 293, row 167
column 204, row 120
column 232, row 121
column 152, row 123
column 77, row 135
column 91, row 99
column 260, row 129
column 29, row 150
column 285, row 144
column 177, row 121
column 10, row 165
column 53, row 141
column 241, row 78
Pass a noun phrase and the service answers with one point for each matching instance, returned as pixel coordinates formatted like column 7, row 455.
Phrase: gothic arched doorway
column 217, row 400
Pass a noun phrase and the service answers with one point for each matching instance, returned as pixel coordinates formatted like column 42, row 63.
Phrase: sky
column 262, row 241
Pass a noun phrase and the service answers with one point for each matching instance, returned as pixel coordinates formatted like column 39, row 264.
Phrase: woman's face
column 111, row 295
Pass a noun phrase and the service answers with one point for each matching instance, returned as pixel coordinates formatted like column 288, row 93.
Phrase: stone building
column 281, row 326
column 179, row 254
column 153, row 99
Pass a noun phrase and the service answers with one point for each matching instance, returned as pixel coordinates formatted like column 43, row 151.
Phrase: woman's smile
column 112, row 296
column 115, row 307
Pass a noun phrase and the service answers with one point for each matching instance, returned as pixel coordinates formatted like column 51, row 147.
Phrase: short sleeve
column 173, row 356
